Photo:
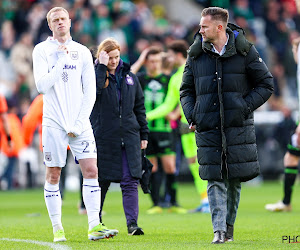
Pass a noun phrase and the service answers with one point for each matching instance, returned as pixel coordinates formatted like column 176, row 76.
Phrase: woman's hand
column 103, row 57
column 144, row 144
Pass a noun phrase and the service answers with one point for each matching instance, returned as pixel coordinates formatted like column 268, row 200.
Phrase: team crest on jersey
column 129, row 80
column 48, row 156
column 74, row 55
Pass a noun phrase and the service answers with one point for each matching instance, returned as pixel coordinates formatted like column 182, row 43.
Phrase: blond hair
column 108, row 45
column 55, row 9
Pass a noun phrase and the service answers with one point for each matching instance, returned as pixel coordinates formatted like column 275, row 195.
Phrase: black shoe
column 229, row 233
column 219, row 237
column 133, row 229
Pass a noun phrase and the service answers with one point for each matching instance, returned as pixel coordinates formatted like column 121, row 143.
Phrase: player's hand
column 193, row 128
column 62, row 48
column 103, row 57
column 71, row 135
column 144, row 144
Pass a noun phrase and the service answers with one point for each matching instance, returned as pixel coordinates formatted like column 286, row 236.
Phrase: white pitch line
column 52, row 245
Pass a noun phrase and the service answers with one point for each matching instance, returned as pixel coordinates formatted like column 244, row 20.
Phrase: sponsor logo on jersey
column 69, row 66
column 129, row 80
column 74, row 55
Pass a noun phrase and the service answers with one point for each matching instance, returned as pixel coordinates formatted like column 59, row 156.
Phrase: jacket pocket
column 245, row 111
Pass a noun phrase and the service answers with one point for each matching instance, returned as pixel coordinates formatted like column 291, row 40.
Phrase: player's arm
column 140, row 61
column 89, row 94
column 169, row 103
column 174, row 115
column 188, row 92
column 44, row 79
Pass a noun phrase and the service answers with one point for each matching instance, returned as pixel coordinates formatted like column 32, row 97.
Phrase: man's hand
column 71, row 135
column 144, row 144
column 103, row 57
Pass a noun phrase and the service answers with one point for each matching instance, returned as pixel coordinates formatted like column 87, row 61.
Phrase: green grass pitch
column 23, row 216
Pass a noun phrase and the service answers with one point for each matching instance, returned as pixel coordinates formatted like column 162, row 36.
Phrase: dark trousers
column 9, row 171
column 129, row 187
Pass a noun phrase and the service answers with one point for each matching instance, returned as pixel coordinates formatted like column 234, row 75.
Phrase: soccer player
column 11, row 140
column 178, row 51
column 64, row 74
column 31, row 121
column 292, row 156
column 161, row 139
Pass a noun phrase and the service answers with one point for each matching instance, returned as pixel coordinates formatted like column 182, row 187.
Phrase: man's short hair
column 55, row 9
column 153, row 50
column 216, row 13
column 179, row 46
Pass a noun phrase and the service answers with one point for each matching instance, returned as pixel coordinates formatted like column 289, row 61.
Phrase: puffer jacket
column 219, row 94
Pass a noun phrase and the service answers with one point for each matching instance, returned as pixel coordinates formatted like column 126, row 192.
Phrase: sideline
column 48, row 244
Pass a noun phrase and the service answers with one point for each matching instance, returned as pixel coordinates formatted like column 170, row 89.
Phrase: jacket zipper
column 224, row 143
column 120, row 112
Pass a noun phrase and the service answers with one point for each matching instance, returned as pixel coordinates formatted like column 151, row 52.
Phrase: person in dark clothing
column 292, row 156
column 120, row 128
column 224, row 81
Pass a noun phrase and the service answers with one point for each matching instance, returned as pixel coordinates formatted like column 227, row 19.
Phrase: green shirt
column 155, row 90
column 172, row 99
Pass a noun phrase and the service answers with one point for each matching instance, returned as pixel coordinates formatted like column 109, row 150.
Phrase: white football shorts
column 55, row 143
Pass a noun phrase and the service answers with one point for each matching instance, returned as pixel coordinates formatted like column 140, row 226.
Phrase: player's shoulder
column 40, row 45
column 80, row 46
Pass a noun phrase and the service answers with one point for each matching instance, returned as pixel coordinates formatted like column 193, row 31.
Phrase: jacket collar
column 237, row 43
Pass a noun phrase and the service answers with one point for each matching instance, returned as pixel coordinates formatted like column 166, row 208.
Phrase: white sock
column 53, row 203
column 91, row 197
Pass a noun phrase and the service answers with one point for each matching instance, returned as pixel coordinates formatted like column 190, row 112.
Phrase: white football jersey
column 68, row 83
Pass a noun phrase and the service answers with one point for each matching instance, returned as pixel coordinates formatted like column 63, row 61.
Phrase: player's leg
column 168, row 159
column 155, row 179
column 190, row 152
column 54, row 152
column 290, row 173
column 83, row 148
column 291, row 161
column 81, row 209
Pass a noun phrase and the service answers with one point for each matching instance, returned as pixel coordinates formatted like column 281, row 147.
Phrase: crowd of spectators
column 270, row 24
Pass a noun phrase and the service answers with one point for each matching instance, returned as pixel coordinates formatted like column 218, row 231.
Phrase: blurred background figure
column 11, row 143
column 161, row 139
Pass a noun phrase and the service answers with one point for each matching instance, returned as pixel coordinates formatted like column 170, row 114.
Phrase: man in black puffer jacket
column 224, row 81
